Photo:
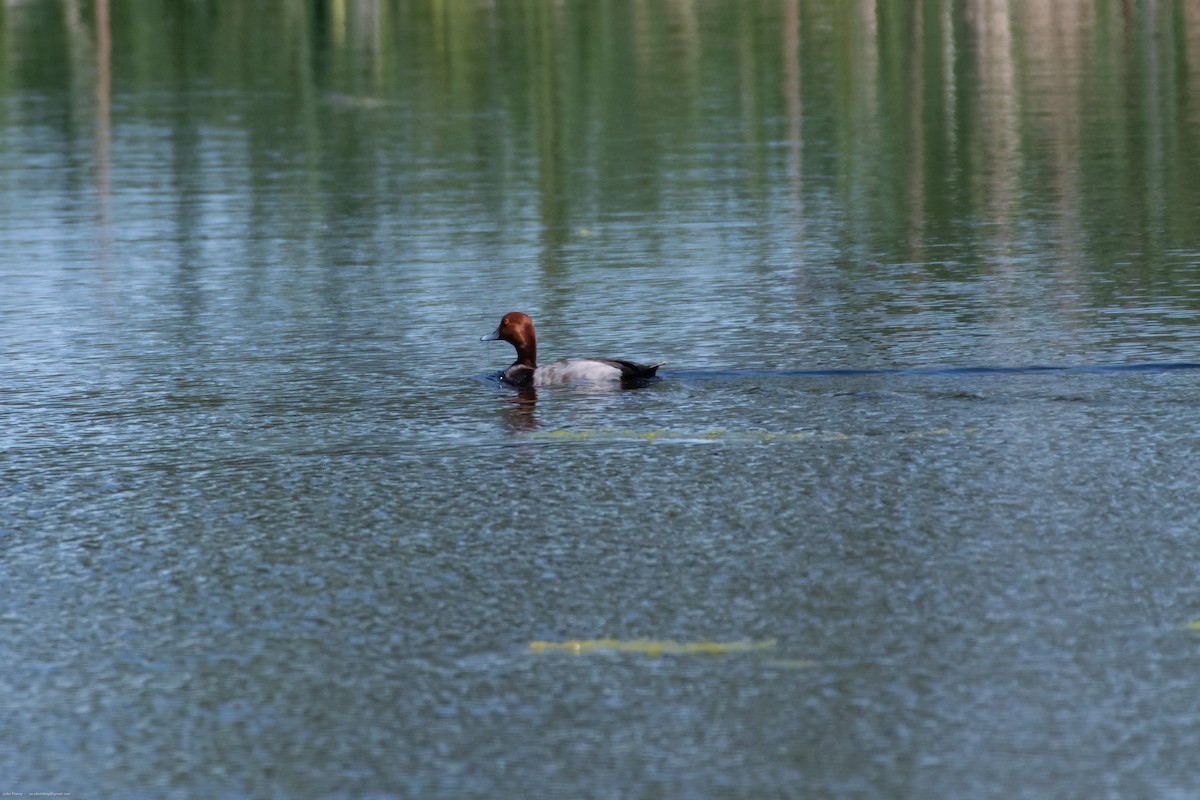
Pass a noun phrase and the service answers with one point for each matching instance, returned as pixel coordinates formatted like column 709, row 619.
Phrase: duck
column 517, row 329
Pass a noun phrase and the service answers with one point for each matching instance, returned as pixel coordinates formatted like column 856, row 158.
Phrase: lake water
column 911, row 512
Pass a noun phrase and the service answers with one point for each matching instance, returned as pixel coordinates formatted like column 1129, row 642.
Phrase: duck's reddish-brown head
column 517, row 329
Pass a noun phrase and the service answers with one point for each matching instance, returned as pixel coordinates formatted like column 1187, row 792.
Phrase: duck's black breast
column 518, row 375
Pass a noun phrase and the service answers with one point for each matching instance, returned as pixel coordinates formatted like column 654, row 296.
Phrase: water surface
column 913, row 499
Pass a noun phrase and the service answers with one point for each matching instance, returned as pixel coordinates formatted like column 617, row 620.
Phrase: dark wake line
column 930, row 371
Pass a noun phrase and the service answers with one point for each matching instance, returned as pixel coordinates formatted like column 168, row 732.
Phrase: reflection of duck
column 517, row 329
column 522, row 414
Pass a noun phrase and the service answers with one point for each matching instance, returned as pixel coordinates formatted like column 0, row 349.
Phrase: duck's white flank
column 575, row 369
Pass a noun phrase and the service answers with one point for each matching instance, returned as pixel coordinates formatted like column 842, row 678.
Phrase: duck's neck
column 527, row 355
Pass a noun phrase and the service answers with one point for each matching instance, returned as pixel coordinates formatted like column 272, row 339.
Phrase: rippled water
column 910, row 512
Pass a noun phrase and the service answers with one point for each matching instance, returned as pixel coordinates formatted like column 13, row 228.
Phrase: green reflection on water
column 895, row 128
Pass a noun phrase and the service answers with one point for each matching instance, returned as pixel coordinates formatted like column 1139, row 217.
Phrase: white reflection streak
column 104, row 130
column 916, row 186
column 997, row 77
column 1156, row 173
column 997, row 157
column 1055, row 37
column 949, row 78
column 795, row 110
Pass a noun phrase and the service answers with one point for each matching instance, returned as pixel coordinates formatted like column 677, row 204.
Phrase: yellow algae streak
column 1194, row 625
column 561, row 434
column 649, row 647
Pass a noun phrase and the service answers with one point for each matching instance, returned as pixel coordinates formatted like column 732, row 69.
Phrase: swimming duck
column 517, row 329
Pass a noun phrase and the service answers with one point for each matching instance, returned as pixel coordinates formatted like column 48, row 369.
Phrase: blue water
column 909, row 513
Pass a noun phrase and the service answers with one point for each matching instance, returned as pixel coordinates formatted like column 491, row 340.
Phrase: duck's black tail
column 631, row 370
